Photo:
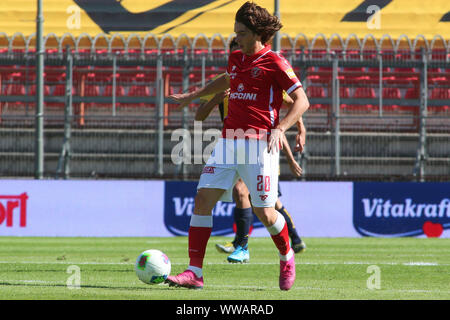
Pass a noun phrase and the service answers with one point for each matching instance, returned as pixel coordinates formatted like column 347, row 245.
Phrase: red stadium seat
column 32, row 90
column 59, row 91
column 412, row 93
column 406, row 74
column 14, row 89
column 139, row 91
column 316, row 92
column 363, row 93
column 391, row 93
column 344, row 92
column 54, row 74
column 440, row 94
column 91, row 91
column 120, row 91
column 108, row 92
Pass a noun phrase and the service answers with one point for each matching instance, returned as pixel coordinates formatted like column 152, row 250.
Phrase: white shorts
column 246, row 159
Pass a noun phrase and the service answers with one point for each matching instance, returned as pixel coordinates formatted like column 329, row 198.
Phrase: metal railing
column 351, row 46
column 371, row 137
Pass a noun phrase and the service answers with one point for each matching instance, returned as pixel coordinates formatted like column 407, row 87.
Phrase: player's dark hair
column 233, row 44
column 258, row 20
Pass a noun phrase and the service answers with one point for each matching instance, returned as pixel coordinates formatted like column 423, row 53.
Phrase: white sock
column 197, row 271
column 201, row 221
column 286, row 257
column 278, row 226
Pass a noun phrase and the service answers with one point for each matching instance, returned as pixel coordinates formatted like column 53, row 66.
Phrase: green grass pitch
column 331, row 268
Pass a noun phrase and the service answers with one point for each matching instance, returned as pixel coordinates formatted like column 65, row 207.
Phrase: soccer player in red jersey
column 243, row 212
column 251, row 139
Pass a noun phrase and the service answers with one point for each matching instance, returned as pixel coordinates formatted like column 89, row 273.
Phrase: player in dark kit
column 251, row 140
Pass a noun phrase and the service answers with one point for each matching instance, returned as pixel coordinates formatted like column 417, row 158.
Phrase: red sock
column 280, row 235
column 199, row 233
column 281, row 240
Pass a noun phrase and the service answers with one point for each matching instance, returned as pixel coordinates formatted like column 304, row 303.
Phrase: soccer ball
column 152, row 266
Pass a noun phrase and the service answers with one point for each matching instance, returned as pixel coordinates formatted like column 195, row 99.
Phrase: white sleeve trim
column 293, row 87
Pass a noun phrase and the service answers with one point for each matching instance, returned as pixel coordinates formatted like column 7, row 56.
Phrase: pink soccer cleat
column 287, row 273
column 186, row 279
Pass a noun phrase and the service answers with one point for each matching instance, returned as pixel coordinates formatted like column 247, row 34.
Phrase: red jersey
column 256, row 91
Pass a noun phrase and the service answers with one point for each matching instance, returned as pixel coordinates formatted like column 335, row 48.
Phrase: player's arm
column 218, row 85
column 300, row 138
column 299, row 106
column 205, row 109
column 295, row 167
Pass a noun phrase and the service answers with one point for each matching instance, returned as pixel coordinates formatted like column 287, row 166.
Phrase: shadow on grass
column 61, row 285
column 149, row 287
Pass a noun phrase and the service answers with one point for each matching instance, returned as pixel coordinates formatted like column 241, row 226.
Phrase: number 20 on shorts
column 263, row 183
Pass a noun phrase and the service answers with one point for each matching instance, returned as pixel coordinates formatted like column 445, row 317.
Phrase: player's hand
column 275, row 143
column 226, row 93
column 300, row 142
column 295, row 168
column 183, row 99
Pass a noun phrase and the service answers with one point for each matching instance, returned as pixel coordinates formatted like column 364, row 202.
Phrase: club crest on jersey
column 256, row 72
column 240, row 87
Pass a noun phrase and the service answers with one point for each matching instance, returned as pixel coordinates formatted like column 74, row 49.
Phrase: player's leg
column 277, row 227
column 199, row 233
column 214, row 181
column 298, row 245
column 243, row 217
column 262, row 182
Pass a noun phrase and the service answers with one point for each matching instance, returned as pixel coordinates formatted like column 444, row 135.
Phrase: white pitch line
column 412, row 264
column 32, row 282
column 298, row 288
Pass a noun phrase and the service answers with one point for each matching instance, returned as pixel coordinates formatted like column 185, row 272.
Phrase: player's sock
column 291, row 226
column 197, row 271
column 199, row 234
column 280, row 236
column 243, row 219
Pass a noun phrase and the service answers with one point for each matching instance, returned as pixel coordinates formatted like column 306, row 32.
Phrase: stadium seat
column 59, row 91
column 13, row 89
column 54, row 74
column 412, row 93
column 128, row 74
column 391, row 93
column 440, row 94
column 406, row 74
column 91, row 91
column 32, row 90
column 362, row 93
column 316, row 92
column 101, row 74
column 108, row 92
column 120, row 91
column 138, row 91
